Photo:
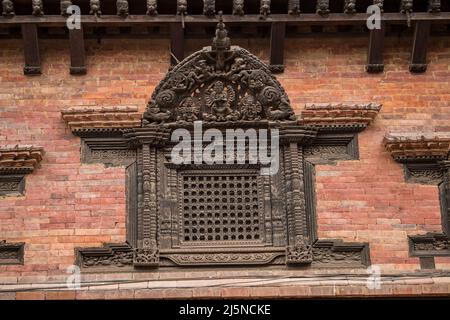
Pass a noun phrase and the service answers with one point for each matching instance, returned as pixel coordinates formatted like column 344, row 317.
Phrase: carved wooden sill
column 426, row 160
column 103, row 120
column 331, row 117
column 15, row 162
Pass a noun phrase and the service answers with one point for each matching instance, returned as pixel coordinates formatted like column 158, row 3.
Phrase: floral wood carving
column 11, row 253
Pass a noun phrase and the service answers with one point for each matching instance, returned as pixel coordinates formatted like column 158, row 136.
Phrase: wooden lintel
column 31, row 49
column 419, row 50
column 176, row 43
column 277, row 35
column 375, row 61
column 77, row 52
column 302, row 19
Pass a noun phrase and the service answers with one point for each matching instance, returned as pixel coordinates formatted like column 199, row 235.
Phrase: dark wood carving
column 264, row 9
column 379, row 3
column 38, row 8
column 182, row 7
column 222, row 214
column 12, row 185
column 238, row 7
column 323, row 7
column 434, row 6
column 294, row 7
column 64, row 5
column 95, row 8
column 350, row 6
column 152, row 7
column 122, row 8
column 11, row 253
column 8, row 8
column 209, row 8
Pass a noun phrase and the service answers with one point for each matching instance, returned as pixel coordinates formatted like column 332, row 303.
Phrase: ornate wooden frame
column 426, row 160
column 225, row 87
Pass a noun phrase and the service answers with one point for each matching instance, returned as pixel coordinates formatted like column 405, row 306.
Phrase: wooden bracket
column 77, row 52
column 419, row 51
column 176, row 43
column 31, row 49
column 375, row 61
column 278, row 32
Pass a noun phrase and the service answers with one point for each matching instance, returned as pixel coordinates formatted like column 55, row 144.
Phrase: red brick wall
column 69, row 205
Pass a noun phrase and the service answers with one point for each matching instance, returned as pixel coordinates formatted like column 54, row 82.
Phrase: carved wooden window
column 222, row 214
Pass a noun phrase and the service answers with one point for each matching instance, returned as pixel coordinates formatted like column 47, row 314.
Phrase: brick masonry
column 69, row 205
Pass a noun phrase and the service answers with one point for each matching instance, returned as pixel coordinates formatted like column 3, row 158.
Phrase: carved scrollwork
column 144, row 257
column 300, row 252
column 235, row 258
column 220, row 83
column 11, row 253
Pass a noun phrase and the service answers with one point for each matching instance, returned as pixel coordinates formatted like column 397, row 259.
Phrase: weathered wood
column 77, row 52
column 419, row 50
column 278, row 32
column 375, row 61
column 176, row 43
column 302, row 19
column 31, row 49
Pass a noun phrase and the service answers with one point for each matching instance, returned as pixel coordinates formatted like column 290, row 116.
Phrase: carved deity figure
column 294, row 7
column 238, row 7
column 264, row 8
column 323, row 7
column 152, row 7
column 182, row 7
column 350, row 6
column 250, row 108
column 8, row 8
column 64, row 4
column 434, row 6
column 209, row 8
column 122, row 8
column 38, row 7
column 188, row 110
column 300, row 252
column 219, row 98
column 406, row 6
column 95, row 8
